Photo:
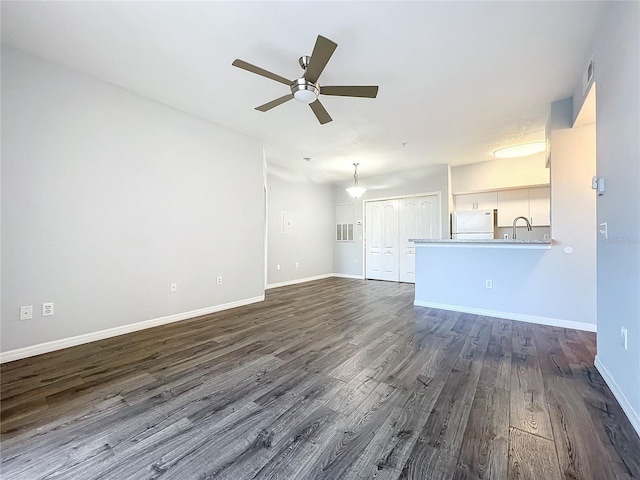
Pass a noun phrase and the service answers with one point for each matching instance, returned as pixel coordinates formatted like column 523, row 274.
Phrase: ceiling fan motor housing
column 304, row 61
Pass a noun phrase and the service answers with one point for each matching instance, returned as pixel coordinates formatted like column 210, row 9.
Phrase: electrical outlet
column 47, row 309
column 297, row 264
column 278, row 267
column 219, row 281
column 623, row 337
column 173, row 287
column 26, row 312
column 488, row 284
column 355, row 262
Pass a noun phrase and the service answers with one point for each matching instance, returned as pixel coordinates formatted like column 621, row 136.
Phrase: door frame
column 395, row 197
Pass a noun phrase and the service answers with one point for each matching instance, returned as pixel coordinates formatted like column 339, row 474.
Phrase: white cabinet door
column 476, row 201
column 487, row 201
column 512, row 204
column 532, row 203
column 540, row 207
column 466, row 201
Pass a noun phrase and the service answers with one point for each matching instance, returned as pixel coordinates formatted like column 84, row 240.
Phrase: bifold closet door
column 382, row 240
column 373, row 239
column 419, row 217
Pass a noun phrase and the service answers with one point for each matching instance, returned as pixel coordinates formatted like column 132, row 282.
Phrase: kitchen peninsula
column 526, row 280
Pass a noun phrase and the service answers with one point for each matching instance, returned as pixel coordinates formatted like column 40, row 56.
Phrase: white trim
column 344, row 275
column 554, row 322
column 265, row 232
column 627, row 408
column 298, row 280
column 47, row 347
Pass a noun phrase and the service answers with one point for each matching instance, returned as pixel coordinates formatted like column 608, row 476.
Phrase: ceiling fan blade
column 322, row 52
column 350, row 91
column 274, row 103
column 260, row 71
column 321, row 114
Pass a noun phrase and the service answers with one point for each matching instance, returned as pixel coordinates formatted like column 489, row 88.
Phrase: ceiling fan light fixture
column 522, row 150
column 305, row 92
column 356, row 190
column 305, row 96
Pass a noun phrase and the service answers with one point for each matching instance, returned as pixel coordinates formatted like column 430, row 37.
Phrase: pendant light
column 356, row 190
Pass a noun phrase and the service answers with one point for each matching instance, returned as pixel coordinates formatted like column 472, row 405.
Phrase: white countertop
column 482, row 243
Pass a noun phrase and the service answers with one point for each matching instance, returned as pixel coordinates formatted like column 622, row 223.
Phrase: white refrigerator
column 473, row 224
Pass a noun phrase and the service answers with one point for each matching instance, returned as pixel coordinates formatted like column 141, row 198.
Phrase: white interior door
column 373, row 232
column 429, row 225
column 390, row 270
column 419, row 218
column 408, row 226
column 389, row 225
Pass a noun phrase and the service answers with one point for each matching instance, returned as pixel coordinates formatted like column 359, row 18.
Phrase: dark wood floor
column 334, row 379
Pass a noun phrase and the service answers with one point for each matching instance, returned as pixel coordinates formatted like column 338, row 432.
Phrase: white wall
column 616, row 56
column 546, row 286
column 108, row 197
column 500, row 173
column 310, row 243
column 415, row 181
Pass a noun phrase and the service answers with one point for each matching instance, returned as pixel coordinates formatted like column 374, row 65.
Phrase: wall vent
column 344, row 232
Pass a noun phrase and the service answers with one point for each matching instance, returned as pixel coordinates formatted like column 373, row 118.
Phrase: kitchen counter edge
column 482, row 243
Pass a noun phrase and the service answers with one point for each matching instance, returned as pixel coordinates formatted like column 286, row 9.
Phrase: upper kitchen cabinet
column 476, row 201
column 540, row 206
column 532, row 203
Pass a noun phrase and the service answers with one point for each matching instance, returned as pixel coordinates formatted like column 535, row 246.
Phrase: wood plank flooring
column 332, row 379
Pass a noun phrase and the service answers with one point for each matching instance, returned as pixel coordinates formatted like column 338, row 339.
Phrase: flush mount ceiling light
column 356, row 190
column 520, row 150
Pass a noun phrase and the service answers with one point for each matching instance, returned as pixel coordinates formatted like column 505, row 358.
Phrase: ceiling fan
column 306, row 88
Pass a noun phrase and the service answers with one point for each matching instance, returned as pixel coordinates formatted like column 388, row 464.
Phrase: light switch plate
column 604, row 234
column 26, row 312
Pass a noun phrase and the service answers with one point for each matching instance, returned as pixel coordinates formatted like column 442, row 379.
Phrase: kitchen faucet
column 516, row 221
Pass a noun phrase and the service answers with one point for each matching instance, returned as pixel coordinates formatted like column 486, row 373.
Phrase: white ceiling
column 457, row 79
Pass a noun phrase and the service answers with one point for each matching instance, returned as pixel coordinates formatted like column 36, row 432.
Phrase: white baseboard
column 554, row 322
column 344, row 275
column 298, row 280
column 632, row 415
column 47, row 347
